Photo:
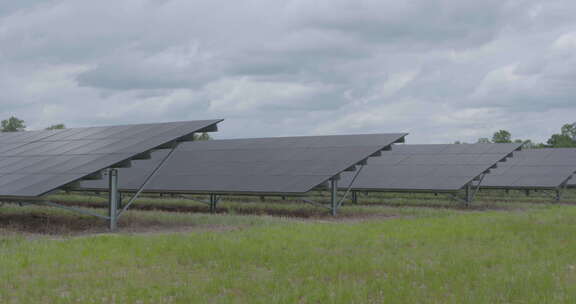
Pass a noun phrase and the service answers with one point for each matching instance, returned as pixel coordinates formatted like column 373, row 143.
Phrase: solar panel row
column 429, row 167
column 288, row 165
column 34, row 163
column 38, row 162
column 534, row 169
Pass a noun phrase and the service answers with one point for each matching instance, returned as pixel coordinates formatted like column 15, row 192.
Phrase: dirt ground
column 52, row 224
column 316, row 213
column 39, row 223
column 292, row 212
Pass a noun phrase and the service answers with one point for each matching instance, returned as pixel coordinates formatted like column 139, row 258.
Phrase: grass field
column 513, row 250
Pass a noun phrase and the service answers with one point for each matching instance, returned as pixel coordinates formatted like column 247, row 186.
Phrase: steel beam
column 113, row 198
column 148, row 179
column 311, row 202
column 77, row 210
column 468, row 194
column 354, row 197
column 213, row 202
column 333, row 196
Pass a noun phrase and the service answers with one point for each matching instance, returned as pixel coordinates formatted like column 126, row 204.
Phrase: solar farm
column 149, row 214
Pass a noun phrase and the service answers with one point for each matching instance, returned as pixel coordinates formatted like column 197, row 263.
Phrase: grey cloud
column 12, row 7
column 443, row 70
column 134, row 76
column 413, row 24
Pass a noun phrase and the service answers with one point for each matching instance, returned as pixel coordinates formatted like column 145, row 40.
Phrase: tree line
column 566, row 138
column 14, row 124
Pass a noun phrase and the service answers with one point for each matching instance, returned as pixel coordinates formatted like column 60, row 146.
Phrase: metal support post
column 213, row 202
column 354, row 197
column 120, row 205
column 468, row 193
column 333, row 196
column 113, row 198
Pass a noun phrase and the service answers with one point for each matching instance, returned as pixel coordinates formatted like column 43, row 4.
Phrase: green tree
column 203, row 136
column 484, row 140
column 569, row 130
column 502, row 136
column 13, row 124
column 56, row 127
column 566, row 138
column 561, row 141
column 527, row 144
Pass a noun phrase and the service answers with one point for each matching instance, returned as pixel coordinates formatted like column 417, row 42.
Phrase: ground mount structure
column 36, row 163
column 258, row 166
column 437, row 168
column 548, row 169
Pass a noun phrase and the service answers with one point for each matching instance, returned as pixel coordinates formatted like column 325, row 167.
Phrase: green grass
column 430, row 256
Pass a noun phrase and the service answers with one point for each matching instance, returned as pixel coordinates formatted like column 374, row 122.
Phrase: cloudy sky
column 443, row 70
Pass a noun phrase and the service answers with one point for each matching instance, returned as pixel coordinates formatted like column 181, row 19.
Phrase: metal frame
column 115, row 201
column 335, row 204
column 115, row 208
column 213, row 200
column 354, row 197
column 113, row 198
column 470, row 190
column 558, row 192
column 555, row 193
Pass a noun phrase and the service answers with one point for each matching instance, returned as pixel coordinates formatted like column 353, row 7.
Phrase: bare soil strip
column 312, row 213
column 52, row 224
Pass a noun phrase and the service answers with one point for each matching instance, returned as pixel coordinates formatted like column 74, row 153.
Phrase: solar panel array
column 33, row 163
column 429, row 167
column 287, row 165
column 533, row 169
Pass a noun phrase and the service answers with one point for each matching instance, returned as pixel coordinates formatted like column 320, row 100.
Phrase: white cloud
column 243, row 95
column 566, row 42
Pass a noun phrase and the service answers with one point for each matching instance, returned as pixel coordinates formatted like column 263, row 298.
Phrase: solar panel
column 33, row 163
column 287, row 165
column 428, row 167
column 534, row 168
